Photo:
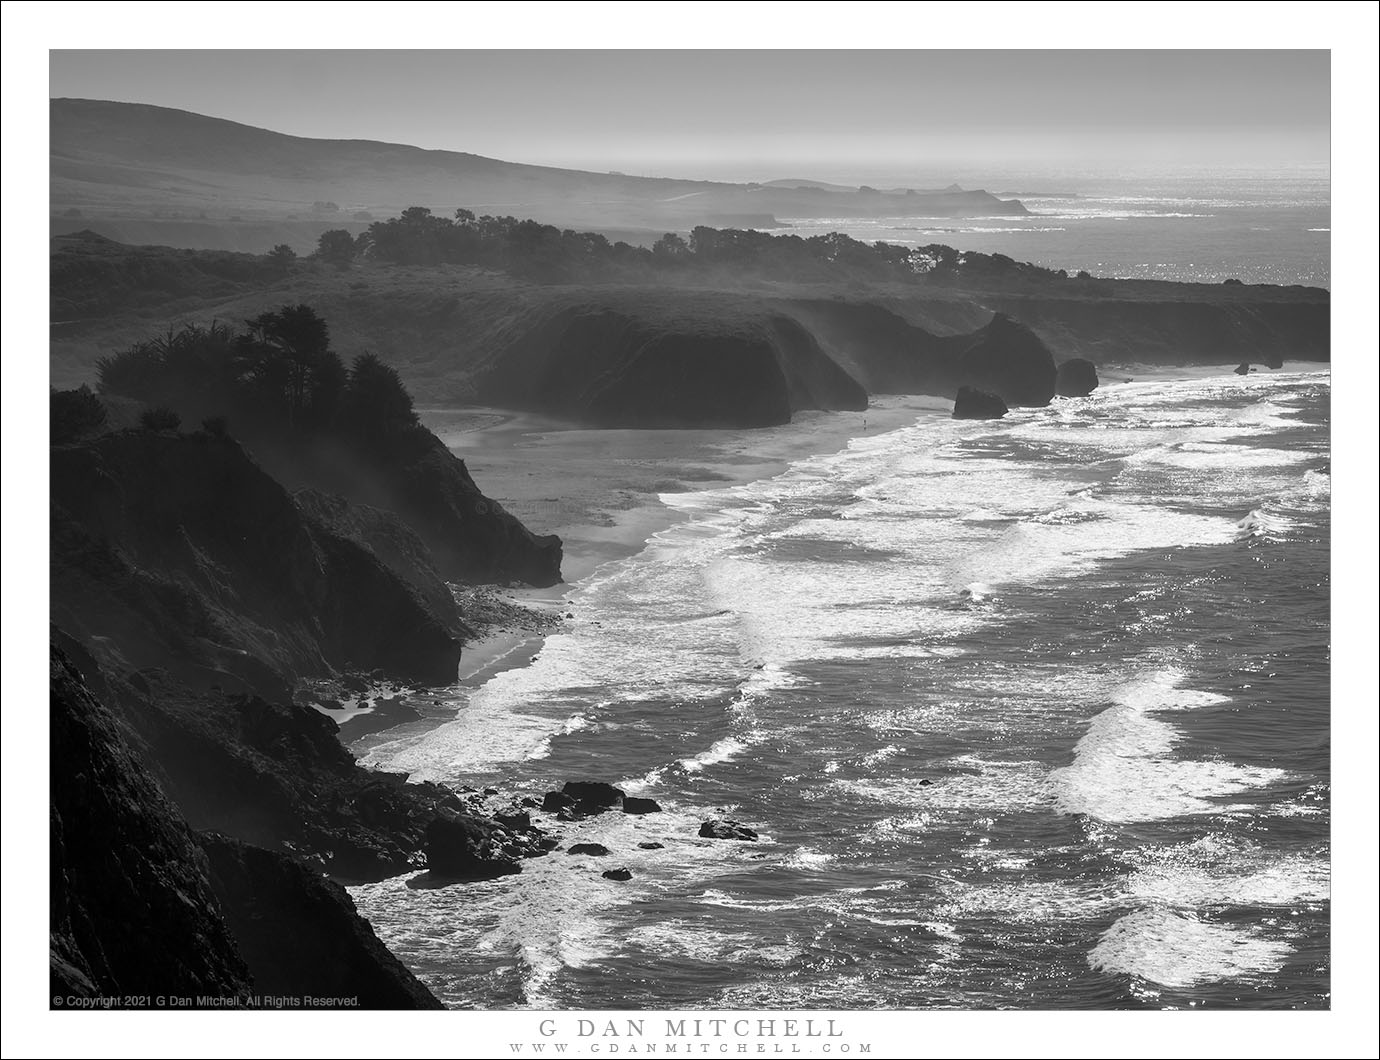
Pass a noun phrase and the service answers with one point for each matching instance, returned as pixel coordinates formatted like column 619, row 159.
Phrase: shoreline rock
column 1077, row 377
column 971, row 404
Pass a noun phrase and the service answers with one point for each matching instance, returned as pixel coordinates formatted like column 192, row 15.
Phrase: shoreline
column 600, row 489
column 611, row 482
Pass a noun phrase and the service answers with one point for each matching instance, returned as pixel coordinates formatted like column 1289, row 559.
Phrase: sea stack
column 974, row 404
column 1076, row 377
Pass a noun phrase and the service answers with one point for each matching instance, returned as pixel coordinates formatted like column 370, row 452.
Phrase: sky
column 758, row 114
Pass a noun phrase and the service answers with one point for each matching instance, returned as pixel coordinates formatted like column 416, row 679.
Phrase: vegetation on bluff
column 545, row 253
column 279, row 376
column 311, row 421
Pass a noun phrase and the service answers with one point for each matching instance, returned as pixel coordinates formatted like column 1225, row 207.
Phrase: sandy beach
column 601, row 491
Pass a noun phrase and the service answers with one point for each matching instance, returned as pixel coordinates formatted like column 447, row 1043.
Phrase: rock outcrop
column 1009, row 360
column 669, row 359
column 973, row 404
column 139, row 904
column 462, row 847
column 394, row 543
column 130, row 908
column 726, row 828
column 592, row 796
column 1077, row 377
column 301, row 935
column 178, row 551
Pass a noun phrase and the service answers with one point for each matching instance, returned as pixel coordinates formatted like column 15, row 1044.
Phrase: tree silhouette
column 336, row 246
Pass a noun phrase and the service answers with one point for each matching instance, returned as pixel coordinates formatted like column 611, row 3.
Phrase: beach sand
column 600, row 490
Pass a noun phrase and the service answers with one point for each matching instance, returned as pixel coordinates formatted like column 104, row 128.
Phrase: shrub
column 160, row 419
column 72, row 414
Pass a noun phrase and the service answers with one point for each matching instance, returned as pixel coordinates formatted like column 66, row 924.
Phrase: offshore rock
column 1077, row 377
column 725, row 828
column 973, row 404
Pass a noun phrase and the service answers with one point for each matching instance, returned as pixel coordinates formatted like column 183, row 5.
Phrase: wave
column 1124, row 770
column 1183, row 950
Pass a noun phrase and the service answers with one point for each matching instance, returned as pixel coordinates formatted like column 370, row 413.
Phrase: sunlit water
column 1256, row 229
column 1029, row 713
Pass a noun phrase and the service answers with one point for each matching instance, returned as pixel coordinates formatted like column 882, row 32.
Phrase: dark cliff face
column 891, row 355
column 473, row 538
column 179, row 551
column 427, row 489
column 274, row 774
column 139, row 904
column 679, row 360
column 1007, row 359
column 130, row 908
column 300, row 933
column 1200, row 330
column 394, row 543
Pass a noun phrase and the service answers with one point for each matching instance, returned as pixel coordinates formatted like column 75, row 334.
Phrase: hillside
column 600, row 352
column 145, row 173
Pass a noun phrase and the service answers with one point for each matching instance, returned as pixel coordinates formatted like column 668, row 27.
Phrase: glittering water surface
column 1203, row 229
column 1029, row 713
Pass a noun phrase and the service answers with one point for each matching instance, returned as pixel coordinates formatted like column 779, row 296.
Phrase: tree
column 283, row 256
column 670, row 247
column 336, row 246
column 288, row 359
column 376, row 402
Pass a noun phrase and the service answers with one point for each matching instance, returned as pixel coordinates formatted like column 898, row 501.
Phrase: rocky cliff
column 130, row 908
column 177, row 550
column 142, row 905
column 675, row 360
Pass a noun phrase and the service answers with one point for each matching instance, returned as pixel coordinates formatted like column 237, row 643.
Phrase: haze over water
column 1255, row 227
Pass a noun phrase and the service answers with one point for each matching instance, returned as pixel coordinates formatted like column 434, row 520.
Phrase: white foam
column 1123, row 768
column 1181, row 950
column 722, row 750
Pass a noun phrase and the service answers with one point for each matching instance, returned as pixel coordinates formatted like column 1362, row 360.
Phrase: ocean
column 1029, row 713
column 1258, row 228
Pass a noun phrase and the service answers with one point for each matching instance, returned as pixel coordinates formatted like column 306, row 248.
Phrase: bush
column 72, row 414
column 216, row 425
column 160, row 419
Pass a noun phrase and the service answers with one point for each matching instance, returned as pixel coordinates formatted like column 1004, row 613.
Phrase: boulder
column 1243, row 368
column 971, row 404
column 632, row 804
column 650, row 846
column 555, row 801
column 725, row 828
column 1077, row 377
column 592, row 796
column 461, row 847
column 617, row 874
column 594, row 850
column 514, row 822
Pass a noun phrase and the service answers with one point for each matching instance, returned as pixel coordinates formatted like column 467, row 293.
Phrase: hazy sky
column 757, row 113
